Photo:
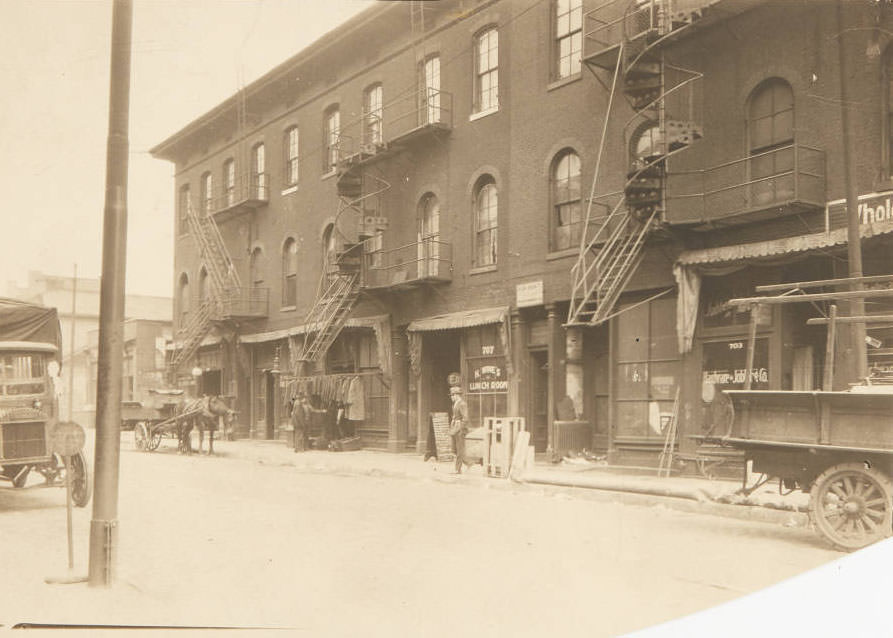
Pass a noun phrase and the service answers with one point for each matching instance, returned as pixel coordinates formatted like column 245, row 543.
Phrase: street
column 233, row 540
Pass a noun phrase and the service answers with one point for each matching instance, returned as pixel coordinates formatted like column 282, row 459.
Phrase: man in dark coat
column 459, row 426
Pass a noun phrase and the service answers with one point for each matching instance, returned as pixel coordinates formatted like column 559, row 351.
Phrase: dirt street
column 231, row 541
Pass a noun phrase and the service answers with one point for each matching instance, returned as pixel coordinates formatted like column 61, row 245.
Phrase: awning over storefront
column 776, row 247
column 692, row 264
column 306, row 328
column 464, row 319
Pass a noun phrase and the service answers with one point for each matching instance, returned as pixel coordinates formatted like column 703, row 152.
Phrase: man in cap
column 458, row 426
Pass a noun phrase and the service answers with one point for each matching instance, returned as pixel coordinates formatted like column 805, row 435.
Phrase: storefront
column 472, row 348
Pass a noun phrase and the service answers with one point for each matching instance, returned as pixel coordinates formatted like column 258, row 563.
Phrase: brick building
column 553, row 200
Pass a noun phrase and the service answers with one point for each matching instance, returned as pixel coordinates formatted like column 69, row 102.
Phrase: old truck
column 30, row 343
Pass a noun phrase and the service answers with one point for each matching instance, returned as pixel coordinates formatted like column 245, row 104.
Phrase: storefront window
column 647, row 369
column 486, row 375
column 724, row 366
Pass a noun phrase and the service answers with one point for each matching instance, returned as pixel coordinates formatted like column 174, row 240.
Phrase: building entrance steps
column 713, row 496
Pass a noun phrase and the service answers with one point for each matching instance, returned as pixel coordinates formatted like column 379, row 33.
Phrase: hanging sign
column 872, row 208
column 68, row 438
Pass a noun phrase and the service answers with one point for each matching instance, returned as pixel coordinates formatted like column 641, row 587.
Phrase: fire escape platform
column 238, row 208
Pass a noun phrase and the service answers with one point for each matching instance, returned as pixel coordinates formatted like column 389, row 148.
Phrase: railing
column 426, row 260
column 781, row 176
column 245, row 302
column 410, row 113
column 250, row 191
column 612, row 22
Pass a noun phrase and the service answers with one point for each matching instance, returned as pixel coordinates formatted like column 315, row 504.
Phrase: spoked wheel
column 141, row 436
column 154, row 440
column 81, row 486
column 851, row 505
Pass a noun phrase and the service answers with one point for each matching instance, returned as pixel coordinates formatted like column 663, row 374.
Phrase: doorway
column 538, row 400
column 209, row 383
column 440, row 357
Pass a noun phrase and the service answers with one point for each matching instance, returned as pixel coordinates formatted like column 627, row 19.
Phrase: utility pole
column 71, row 334
column 104, row 525
column 854, row 240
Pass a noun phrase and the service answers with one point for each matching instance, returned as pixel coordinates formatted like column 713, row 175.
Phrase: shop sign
column 724, row 366
column 488, row 378
column 872, row 208
column 529, row 294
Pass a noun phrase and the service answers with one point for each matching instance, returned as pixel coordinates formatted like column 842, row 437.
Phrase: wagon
column 30, row 341
column 837, row 446
column 162, row 419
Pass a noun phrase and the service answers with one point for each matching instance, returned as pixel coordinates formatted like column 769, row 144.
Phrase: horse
column 204, row 412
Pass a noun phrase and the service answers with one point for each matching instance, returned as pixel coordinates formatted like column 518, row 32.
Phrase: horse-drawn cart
column 172, row 416
column 838, row 446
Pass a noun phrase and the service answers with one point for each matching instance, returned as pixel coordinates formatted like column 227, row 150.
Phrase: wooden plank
column 823, row 296
column 821, row 321
column 841, row 281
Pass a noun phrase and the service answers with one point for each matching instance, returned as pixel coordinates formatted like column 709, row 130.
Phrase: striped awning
column 306, row 328
column 775, row 247
column 463, row 319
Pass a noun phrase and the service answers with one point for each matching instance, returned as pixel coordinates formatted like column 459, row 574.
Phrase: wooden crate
column 500, row 436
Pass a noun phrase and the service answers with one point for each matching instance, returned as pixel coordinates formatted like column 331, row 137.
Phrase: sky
column 187, row 57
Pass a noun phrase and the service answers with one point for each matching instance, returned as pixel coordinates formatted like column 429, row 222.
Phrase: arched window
column 329, row 249
column 258, row 172
column 486, row 70
column 207, row 203
column 290, row 144
column 255, row 268
column 373, row 98
column 290, row 273
column 770, row 134
column 229, row 181
column 429, row 235
column 204, row 291
column 331, row 137
column 429, row 90
column 183, row 298
column 485, row 221
column 567, row 213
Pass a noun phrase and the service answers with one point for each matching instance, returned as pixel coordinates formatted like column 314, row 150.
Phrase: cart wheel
column 141, row 436
column 81, row 487
column 851, row 505
column 154, row 440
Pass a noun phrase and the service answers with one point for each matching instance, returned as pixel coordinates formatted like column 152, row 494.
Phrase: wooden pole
column 828, row 376
column 819, row 296
column 751, row 347
column 71, row 336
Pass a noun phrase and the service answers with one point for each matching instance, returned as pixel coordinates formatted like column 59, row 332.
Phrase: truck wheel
column 851, row 505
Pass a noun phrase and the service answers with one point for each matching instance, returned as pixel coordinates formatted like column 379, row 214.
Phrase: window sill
column 329, row 175
column 557, row 84
column 479, row 270
column 480, row 114
column 289, row 190
column 561, row 254
column 288, row 308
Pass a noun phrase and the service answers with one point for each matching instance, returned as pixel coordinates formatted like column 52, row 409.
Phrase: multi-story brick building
column 553, row 200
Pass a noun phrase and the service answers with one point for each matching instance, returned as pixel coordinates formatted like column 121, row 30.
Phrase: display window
column 486, row 377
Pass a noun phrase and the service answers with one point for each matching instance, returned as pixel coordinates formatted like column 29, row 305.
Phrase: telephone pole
column 104, row 525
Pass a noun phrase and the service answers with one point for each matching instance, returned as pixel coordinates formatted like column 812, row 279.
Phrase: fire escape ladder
column 329, row 314
column 197, row 326
column 223, row 279
column 612, row 245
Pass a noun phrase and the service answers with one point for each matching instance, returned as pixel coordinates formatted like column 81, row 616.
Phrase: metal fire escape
column 359, row 192
column 222, row 277
column 627, row 38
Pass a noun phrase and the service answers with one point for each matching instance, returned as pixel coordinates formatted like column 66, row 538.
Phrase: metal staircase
column 626, row 41
column 340, row 283
column 222, row 277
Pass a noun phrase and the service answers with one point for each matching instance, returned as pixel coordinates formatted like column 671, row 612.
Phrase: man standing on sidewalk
column 458, row 426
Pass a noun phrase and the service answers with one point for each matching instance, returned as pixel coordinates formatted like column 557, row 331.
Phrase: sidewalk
column 713, row 496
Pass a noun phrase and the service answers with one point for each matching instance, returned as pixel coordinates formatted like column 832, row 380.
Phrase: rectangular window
column 568, row 37
column 183, row 210
column 332, row 135
column 229, row 181
column 207, row 193
column 291, row 156
column 485, row 231
column 372, row 115
column 486, row 67
column 258, row 174
column 487, row 377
